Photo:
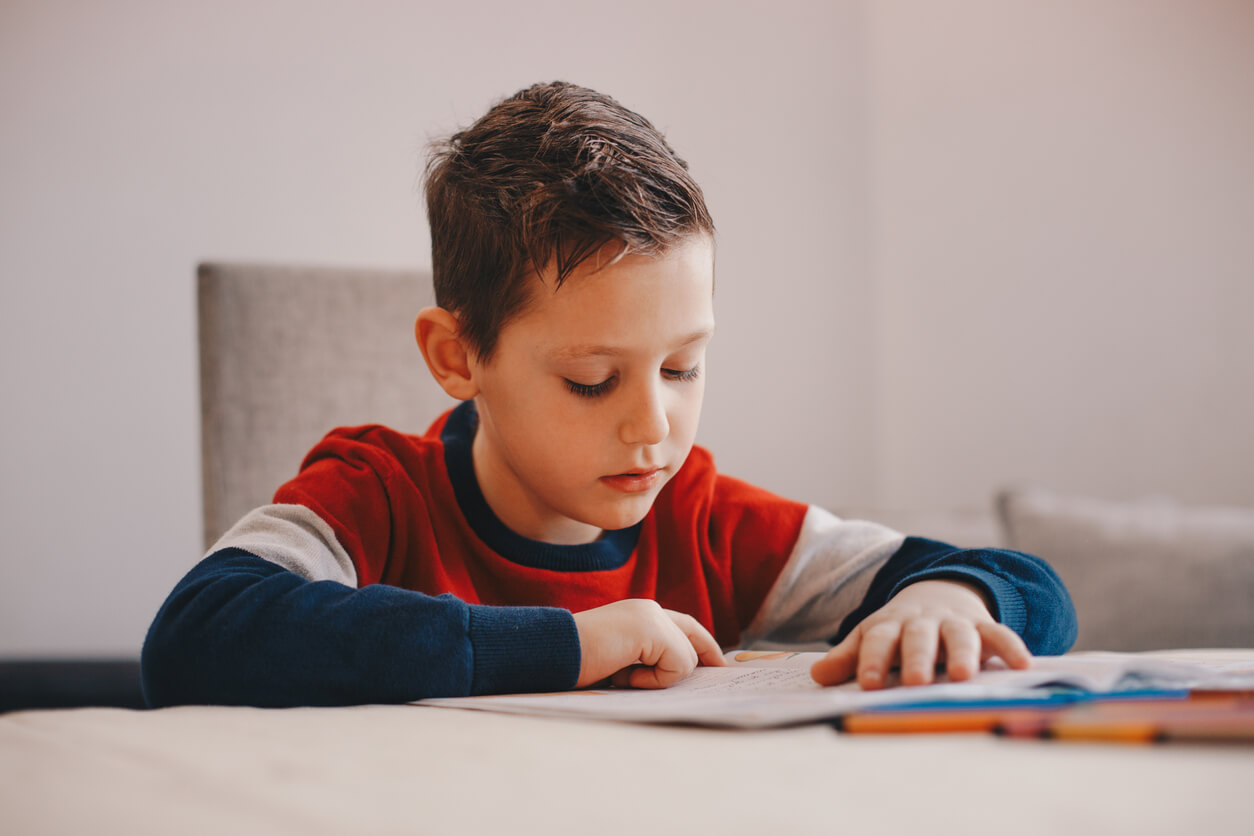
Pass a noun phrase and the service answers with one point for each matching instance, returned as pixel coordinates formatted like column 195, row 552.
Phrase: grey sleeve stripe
column 825, row 579
column 294, row 537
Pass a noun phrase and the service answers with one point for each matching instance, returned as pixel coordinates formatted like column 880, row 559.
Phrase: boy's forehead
column 637, row 301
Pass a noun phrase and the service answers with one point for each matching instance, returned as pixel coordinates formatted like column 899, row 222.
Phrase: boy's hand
column 637, row 643
column 922, row 624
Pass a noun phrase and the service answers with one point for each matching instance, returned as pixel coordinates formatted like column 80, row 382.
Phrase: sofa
column 1144, row 574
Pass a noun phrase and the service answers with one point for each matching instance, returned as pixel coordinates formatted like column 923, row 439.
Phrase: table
column 416, row 769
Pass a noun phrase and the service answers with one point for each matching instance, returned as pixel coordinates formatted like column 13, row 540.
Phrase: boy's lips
column 635, row 482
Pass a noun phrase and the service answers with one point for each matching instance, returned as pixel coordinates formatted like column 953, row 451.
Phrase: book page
column 765, row 689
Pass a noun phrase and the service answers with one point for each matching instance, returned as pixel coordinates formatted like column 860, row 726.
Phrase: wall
column 142, row 137
column 1064, row 265
column 962, row 244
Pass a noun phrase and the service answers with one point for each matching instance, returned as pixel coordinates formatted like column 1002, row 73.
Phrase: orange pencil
column 1211, row 717
column 942, row 721
column 980, row 716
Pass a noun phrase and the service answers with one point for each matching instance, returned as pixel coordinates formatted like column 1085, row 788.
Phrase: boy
column 559, row 528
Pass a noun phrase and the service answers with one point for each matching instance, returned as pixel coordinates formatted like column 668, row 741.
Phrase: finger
column 655, row 676
column 879, row 649
column 1000, row 640
column 678, row 652
column 669, row 658
column 622, row 679
column 920, row 640
column 643, row 676
column 708, row 651
column 840, row 663
column 962, row 649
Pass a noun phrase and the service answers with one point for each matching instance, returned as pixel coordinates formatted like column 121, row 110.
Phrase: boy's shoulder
column 380, row 448
column 370, row 473
column 386, row 437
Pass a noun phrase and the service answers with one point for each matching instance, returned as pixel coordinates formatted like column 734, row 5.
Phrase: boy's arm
column 842, row 571
column 292, row 630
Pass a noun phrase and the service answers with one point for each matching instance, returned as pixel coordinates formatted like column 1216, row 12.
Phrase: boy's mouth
column 636, row 482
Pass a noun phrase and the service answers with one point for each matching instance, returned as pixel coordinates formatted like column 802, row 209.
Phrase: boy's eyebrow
column 573, row 351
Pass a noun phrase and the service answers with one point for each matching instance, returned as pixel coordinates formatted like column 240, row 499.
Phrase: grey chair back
column 289, row 353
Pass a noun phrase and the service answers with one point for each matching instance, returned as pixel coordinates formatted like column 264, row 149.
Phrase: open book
column 761, row 689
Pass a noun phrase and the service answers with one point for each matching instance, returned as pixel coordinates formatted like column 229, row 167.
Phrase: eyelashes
column 595, row 390
column 683, row 375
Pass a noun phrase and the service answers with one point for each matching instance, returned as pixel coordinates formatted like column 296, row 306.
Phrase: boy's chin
column 623, row 517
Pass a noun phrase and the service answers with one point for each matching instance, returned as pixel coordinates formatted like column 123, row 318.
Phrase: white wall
column 1064, row 247
column 141, row 137
column 962, row 243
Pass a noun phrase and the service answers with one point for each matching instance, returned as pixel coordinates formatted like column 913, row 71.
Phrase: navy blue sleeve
column 238, row 630
column 1026, row 594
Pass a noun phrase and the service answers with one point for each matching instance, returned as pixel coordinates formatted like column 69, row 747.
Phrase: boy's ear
column 447, row 357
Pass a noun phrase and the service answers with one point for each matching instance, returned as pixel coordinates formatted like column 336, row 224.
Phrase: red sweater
column 380, row 574
column 712, row 546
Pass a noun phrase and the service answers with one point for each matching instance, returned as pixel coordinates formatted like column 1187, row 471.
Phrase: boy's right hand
column 639, row 644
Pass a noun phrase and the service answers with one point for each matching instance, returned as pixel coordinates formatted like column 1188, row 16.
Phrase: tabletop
column 418, row 769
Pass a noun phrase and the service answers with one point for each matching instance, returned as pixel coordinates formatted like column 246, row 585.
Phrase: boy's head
column 573, row 260
column 548, row 177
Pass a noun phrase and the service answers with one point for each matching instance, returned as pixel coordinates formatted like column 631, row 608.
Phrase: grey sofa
column 1145, row 574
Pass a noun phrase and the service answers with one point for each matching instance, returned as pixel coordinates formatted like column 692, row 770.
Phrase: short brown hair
column 549, row 175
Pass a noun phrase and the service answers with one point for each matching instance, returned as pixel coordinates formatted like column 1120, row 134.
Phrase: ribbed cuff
column 521, row 650
column 1008, row 605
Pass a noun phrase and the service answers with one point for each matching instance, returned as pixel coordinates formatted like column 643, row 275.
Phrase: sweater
column 380, row 574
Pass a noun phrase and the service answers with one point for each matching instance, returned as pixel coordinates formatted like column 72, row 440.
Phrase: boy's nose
column 646, row 423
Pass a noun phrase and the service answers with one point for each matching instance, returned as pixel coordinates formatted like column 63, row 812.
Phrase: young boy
column 559, row 528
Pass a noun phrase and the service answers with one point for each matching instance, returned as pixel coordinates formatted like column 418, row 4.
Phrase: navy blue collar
column 610, row 552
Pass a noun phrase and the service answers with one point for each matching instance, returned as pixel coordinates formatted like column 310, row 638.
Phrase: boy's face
column 590, row 402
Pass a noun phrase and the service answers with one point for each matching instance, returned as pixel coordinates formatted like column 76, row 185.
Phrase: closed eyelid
column 594, row 390
column 589, row 390
column 691, row 373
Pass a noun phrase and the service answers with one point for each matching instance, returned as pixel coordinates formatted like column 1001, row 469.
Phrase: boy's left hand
column 922, row 624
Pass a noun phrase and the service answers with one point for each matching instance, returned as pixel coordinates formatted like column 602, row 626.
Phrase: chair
column 288, row 353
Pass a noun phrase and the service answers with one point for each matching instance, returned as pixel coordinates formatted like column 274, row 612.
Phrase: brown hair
column 549, row 175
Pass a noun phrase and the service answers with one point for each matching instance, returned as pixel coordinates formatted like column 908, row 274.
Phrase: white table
column 410, row 769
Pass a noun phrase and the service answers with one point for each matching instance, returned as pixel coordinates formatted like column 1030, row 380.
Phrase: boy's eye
column 593, row 390
column 589, row 390
column 683, row 375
